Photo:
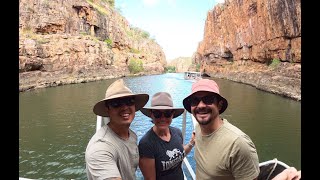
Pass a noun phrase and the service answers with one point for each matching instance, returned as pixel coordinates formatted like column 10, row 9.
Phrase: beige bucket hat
column 162, row 101
column 118, row 89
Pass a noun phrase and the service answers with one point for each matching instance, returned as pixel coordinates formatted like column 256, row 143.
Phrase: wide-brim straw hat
column 162, row 101
column 118, row 89
column 206, row 85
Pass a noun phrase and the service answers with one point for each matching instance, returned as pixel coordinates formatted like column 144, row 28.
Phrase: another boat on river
column 192, row 75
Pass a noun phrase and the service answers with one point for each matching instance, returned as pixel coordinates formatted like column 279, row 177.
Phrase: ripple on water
column 72, row 170
column 53, row 164
column 70, row 156
column 32, row 172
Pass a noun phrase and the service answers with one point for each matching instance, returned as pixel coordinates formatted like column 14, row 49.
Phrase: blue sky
column 176, row 25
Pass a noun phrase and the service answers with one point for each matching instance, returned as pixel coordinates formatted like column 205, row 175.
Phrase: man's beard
column 205, row 122
column 207, row 110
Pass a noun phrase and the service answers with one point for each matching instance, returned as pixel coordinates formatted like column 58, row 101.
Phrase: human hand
column 193, row 136
column 192, row 139
column 290, row 173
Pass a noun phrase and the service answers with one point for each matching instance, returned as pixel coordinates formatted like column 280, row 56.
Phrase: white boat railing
column 274, row 161
column 185, row 160
column 101, row 121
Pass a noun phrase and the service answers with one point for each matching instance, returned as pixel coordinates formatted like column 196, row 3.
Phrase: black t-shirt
column 168, row 155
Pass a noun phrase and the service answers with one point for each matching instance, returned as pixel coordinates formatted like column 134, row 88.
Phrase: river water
column 55, row 124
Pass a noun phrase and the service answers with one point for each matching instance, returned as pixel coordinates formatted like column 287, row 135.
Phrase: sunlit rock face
column 72, row 41
column 257, row 42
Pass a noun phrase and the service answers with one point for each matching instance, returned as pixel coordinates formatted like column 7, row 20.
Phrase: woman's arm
column 148, row 168
column 187, row 148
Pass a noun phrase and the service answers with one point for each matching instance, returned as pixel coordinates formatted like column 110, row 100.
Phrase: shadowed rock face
column 71, row 41
column 243, row 37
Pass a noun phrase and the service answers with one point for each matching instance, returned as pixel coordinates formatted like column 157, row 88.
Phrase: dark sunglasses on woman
column 158, row 114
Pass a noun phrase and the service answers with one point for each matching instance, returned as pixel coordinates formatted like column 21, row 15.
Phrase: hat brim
column 140, row 101
column 177, row 111
column 187, row 103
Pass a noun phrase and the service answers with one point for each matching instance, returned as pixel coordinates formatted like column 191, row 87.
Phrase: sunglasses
column 115, row 103
column 208, row 100
column 158, row 114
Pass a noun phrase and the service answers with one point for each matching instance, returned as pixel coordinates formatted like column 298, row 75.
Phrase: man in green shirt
column 222, row 151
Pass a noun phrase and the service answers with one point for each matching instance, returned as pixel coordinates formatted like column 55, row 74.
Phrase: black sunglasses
column 158, row 114
column 208, row 100
column 118, row 102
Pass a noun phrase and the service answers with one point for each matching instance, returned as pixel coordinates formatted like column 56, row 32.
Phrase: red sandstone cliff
column 72, row 41
column 243, row 37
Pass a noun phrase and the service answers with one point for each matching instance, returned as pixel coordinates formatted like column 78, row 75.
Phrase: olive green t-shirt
column 225, row 154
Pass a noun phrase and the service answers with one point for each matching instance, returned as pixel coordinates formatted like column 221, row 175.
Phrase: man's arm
column 244, row 160
column 100, row 162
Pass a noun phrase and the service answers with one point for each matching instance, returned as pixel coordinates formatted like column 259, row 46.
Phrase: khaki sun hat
column 162, row 101
column 208, row 86
column 118, row 89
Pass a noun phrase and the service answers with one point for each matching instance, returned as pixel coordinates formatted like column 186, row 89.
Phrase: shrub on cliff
column 110, row 2
column 274, row 63
column 135, row 66
column 170, row 69
column 108, row 41
column 198, row 68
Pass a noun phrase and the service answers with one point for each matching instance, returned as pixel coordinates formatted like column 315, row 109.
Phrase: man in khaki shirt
column 112, row 152
column 222, row 151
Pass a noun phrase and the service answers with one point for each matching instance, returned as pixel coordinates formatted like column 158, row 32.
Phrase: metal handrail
column 185, row 160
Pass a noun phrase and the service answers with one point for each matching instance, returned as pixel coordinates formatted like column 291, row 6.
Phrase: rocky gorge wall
column 257, row 42
column 73, row 41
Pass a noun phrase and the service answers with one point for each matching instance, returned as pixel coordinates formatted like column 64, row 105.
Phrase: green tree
column 170, row 69
column 135, row 66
